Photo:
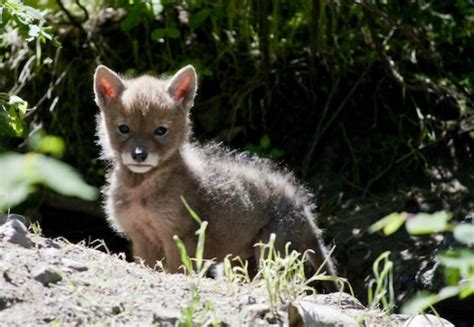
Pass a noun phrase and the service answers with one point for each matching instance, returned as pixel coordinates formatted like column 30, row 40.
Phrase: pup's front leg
column 148, row 251
column 173, row 257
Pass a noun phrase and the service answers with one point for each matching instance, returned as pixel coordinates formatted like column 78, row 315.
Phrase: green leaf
column 188, row 265
column 276, row 153
column 193, row 214
column 158, row 34
column 63, row 179
column 265, row 142
column 467, row 289
column 461, row 259
column 26, row 171
column 173, row 33
column 464, row 233
column 47, row 144
column 254, row 149
column 11, row 117
column 197, row 19
column 419, row 303
column 425, row 223
column 132, row 19
column 390, row 224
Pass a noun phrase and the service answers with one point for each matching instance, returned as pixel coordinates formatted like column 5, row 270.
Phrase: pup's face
column 143, row 120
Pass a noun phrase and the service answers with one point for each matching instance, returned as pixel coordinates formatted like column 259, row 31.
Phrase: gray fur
column 244, row 198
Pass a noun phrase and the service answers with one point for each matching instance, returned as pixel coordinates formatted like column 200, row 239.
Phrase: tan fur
column 243, row 198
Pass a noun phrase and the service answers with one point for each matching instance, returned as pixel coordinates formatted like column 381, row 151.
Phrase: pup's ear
column 182, row 86
column 107, row 86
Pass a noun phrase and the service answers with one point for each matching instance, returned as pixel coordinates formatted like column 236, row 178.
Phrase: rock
column 117, row 309
column 430, row 276
column 46, row 275
column 165, row 317
column 342, row 300
column 74, row 264
column 4, row 217
column 247, row 300
column 14, row 231
column 256, row 312
column 427, row 320
column 307, row 313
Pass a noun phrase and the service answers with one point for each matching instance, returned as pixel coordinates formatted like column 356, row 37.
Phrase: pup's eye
column 124, row 129
column 160, row 131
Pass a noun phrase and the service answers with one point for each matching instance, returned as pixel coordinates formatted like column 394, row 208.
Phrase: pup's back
column 243, row 198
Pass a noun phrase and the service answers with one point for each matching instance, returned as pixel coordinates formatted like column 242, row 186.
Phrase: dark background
column 370, row 103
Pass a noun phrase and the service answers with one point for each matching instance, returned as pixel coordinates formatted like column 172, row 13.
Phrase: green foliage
column 369, row 79
column 27, row 19
column 23, row 173
column 264, row 148
column 40, row 142
column 423, row 223
column 365, row 85
column 464, row 233
column 390, row 224
column 283, row 277
column 458, row 263
column 13, row 110
column 202, row 265
column 26, row 171
column 193, row 314
column 380, row 288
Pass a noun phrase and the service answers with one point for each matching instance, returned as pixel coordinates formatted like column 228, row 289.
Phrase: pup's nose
column 139, row 154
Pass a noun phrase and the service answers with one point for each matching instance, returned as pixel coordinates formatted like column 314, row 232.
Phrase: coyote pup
column 144, row 131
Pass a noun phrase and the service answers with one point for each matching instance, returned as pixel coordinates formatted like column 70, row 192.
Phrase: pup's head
column 144, row 120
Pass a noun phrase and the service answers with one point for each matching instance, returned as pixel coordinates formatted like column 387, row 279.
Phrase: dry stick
column 51, row 87
column 71, row 17
column 25, row 76
column 321, row 130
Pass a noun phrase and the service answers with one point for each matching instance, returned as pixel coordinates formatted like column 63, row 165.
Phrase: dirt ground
column 98, row 286
column 57, row 283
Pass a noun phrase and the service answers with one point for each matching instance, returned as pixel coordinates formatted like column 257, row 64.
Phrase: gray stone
column 74, row 264
column 309, row 314
column 427, row 320
column 46, row 275
column 14, row 231
column 342, row 300
column 165, row 317
column 247, row 300
column 4, row 217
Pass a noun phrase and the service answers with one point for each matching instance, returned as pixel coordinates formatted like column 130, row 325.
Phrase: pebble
column 306, row 313
column 165, row 317
column 74, row 264
column 46, row 275
column 247, row 300
column 14, row 231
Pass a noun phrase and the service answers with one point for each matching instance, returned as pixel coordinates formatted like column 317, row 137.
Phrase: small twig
column 51, row 87
column 71, row 17
column 84, row 10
